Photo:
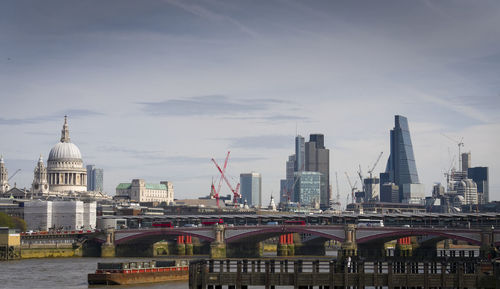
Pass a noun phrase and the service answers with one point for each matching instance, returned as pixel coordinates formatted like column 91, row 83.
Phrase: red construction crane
column 235, row 191
column 215, row 192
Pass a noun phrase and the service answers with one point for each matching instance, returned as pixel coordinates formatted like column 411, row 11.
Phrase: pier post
column 189, row 245
column 108, row 249
column 181, row 247
column 218, row 247
column 349, row 246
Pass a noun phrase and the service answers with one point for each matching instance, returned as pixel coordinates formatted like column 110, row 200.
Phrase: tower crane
column 353, row 187
column 459, row 143
column 236, row 193
column 15, row 173
column 375, row 164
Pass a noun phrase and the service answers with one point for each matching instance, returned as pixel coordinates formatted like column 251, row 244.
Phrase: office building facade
column 95, row 178
column 251, row 188
column 308, row 188
column 317, row 159
column 480, row 176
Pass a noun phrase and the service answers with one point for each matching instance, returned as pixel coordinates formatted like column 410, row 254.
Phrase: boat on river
column 124, row 273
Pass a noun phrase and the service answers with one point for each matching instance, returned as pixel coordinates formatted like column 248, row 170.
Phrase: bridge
column 246, row 241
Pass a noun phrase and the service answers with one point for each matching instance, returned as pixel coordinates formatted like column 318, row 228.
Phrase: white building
column 4, row 177
column 60, row 215
column 140, row 191
column 65, row 169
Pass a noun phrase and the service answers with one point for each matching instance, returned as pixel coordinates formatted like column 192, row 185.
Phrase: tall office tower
column 317, row 159
column 300, row 154
column 90, row 168
column 290, row 167
column 251, row 188
column 480, row 176
column 401, row 163
column 98, row 178
column 95, row 179
column 308, row 188
column 466, row 162
column 4, row 177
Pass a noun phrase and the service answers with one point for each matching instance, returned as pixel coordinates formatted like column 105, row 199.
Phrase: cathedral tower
column 40, row 185
column 4, row 177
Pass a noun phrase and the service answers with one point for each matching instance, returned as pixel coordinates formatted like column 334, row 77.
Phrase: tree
column 12, row 222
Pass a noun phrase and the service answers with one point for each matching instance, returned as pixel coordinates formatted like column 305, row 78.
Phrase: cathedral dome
column 64, row 151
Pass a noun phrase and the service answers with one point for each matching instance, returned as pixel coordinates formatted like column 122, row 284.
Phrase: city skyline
column 155, row 90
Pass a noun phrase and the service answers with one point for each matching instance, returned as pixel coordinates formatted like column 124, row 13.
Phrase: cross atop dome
column 65, row 130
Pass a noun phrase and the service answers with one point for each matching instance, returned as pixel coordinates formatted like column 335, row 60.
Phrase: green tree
column 5, row 220
column 19, row 224
column 12, row 222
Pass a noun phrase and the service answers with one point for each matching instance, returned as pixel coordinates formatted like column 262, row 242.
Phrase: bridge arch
column 275, row 231
column 470, row 237
column 155, row 235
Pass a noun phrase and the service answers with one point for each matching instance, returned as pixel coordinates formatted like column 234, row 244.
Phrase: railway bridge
column 246, row 241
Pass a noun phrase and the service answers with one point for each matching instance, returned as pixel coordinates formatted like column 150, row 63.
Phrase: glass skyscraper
column 401, row 164
column 308, row 188
column 401, row 167
column 251, row 189
column 95, row 179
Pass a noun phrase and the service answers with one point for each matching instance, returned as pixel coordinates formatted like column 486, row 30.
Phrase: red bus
column 162, row 224
column 211, row 222
column 295, row 222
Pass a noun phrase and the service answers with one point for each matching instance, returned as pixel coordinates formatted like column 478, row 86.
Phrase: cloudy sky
column 155, row 89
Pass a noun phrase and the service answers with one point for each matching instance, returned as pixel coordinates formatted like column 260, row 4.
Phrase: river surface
column 72, row 273
column 64, row 273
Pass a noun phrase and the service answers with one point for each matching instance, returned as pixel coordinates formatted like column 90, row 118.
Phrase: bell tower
column 40, row 184
column 4, row 177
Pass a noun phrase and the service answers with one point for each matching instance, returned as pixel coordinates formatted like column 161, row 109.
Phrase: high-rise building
column 389, row 193
column 290, row 165
column 401, row 165
column 317, row 159
column 300, row 154
column 466, row 161
column 307, row 189
column 251, row 188
column 480, row 176
column 95, row 179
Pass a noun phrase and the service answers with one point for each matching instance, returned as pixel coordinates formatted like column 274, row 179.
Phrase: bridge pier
column 282, row 249
column 349, row 247
column 404, row 248
column 218, row 247
column 181, row 247
column 108, row 249
column 189, row 245
column 487, row 249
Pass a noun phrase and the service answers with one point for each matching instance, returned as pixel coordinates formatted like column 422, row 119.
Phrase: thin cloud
column 73, row 113
column 209, row 105
column 263, row 141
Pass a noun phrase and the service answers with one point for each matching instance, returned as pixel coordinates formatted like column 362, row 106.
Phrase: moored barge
column 139, row 272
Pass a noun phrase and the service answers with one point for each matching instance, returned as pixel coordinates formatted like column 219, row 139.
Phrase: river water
column 64, row 273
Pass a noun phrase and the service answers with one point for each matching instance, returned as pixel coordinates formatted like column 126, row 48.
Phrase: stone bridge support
column 349, row 247
column 487, row 249
column 218, row 247
column 108, row 248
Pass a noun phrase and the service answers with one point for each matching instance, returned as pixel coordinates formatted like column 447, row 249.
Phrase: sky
column 155, row 89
